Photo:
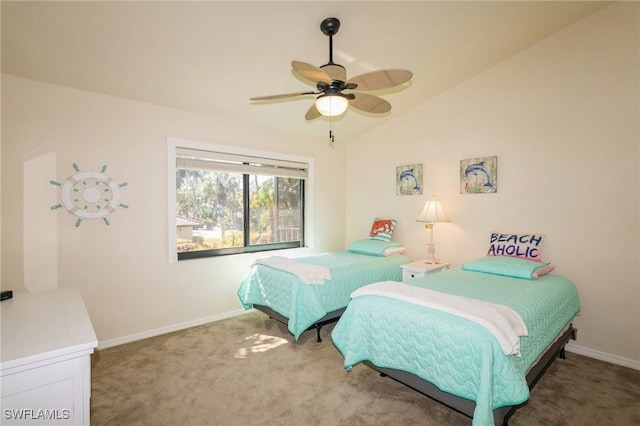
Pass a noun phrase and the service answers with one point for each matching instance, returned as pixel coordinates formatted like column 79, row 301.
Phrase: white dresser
column 45, row 358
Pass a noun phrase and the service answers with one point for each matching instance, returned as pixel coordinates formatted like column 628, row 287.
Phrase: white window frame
column 173, row 144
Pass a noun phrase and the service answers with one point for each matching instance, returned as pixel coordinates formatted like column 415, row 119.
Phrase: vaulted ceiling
column 210, row 57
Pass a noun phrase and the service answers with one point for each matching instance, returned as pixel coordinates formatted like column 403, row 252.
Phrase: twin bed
column 456, row 351
column 476, row 337
column 310, row 292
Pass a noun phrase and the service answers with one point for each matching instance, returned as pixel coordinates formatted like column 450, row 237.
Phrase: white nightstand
column 420, row 268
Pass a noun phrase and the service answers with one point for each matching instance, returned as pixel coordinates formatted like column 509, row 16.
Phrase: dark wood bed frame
column 465, row 406
column 331, row 317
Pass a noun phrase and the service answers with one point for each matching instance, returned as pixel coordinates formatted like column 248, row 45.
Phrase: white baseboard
column 603, row 356
column 169, row 329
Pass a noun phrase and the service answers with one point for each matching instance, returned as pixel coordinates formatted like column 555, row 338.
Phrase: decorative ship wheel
column 89, row 195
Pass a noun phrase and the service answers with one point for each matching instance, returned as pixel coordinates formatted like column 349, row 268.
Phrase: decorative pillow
column 509, row 267
column 382, row 229
column 525, row 246
column 375, row 247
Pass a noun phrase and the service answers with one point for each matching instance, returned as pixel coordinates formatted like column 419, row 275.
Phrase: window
column 229, row 201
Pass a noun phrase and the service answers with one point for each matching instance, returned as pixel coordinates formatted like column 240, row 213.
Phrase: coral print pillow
column 525, row 246
column 382, row 229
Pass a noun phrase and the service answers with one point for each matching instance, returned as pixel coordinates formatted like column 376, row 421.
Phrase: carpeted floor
column 248, row 370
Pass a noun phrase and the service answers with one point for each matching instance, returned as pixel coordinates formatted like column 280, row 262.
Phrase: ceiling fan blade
column 283, row 96
column 310, row 72
column 312, row 113
column 381, row 79
column 370, row 103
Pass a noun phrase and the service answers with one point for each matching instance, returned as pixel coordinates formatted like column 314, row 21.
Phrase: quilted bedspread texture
column 305, row 304
column 457, row 355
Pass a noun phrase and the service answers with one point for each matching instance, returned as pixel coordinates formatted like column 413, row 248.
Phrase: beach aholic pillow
column 524, row 246
column 382, row 229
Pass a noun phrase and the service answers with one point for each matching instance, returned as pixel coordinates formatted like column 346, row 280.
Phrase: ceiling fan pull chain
column 331, row 134
column 332, row 139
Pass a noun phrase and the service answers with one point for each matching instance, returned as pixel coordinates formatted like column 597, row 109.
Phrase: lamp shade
column 331, row 105
column 433, row 213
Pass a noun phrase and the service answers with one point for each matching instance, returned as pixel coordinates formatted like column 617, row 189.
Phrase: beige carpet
column 248, row 371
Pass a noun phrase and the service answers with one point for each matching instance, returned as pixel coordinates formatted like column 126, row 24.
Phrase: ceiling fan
column 331, row 83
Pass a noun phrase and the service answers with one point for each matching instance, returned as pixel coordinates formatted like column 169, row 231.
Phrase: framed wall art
column 479, row 175
column 409, row 180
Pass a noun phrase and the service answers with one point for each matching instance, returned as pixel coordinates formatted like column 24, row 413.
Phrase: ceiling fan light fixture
column 330, row 80
column 332, row 105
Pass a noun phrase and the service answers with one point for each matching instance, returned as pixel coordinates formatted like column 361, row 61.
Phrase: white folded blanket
column 500, row 320
column 308, row 274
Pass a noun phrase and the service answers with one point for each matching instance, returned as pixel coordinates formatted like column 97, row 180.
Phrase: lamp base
column 431, row 253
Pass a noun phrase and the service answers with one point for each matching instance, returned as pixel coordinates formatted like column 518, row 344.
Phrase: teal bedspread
column 457, row 355
column 305, row 304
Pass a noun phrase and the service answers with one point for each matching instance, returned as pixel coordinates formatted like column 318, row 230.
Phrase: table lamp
column 432, row 213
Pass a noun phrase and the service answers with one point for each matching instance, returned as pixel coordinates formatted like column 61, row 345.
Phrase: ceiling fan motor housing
column 335, row 71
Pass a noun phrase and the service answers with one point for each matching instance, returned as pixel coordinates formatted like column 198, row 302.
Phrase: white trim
column 171, row 328
column 171, row 197
column 603, row 356
column 309, row 183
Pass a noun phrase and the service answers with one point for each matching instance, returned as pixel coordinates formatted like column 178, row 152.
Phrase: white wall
column 562, row 118
column 128, row 285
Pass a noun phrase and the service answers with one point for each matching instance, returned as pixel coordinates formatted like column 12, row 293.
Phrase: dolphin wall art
column 478, row 175
column 409, row 180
